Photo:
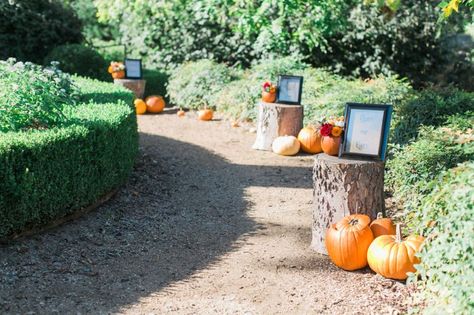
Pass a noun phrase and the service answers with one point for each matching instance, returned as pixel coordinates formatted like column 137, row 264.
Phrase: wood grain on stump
column 343, row 187
column 134, row 85
column 276, row 120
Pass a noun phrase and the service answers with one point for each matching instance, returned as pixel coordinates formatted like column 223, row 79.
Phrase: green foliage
column 32, row 96
column 80, row 60
column 193, row 84
column 30, row 29
column 47, row 174
column 446, row 272
column 102, row 92
column 429, row 108
column 415, row 165
column 156, row 81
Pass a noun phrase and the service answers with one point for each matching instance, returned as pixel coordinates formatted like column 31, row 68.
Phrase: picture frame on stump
column 289, row 89
column 133, row 68
column 366, row 131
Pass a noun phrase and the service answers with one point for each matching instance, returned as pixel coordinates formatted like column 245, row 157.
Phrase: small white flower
column 340, row 124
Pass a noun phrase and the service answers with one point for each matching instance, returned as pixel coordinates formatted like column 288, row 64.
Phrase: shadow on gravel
column 181, row 210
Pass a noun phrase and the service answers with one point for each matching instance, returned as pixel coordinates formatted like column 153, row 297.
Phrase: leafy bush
column 155, row 82
column 429, row 108
column 47, row 174
column 447, row 259
column 193, row 85
column 324, row 94
column 30, row 29
column 80, row 60
column 32, row 96
column 414, row 166
column 100, row 92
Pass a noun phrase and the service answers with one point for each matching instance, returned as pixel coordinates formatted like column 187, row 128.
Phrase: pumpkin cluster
column 354, row 242
column 152, row 104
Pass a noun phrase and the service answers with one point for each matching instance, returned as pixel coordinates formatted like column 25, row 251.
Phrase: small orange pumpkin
column 205, row 114
column 310, row 140
column 180, row 113
column 155, row 104
column 268, row 97
column 348, row 240
column 393, row 257
column 234, row 124
column 382, row 226
column 140, row 106
column 330, row 145
column 118, row 74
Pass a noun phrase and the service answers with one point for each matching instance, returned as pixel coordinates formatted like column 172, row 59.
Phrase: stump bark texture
column 136, row 86
column 276, row 120
column 343, row 187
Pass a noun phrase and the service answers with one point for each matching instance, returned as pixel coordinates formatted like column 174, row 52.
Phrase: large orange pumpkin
column 205, row 114
column 330, row 145
column 382, row 226
column 348, row 240
column 118, row 74
column 155, row 104
column 310, row 140
column 268, row 97
column 392, row 257
column 140, row 106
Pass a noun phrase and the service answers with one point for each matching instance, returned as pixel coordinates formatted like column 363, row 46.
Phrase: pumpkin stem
column 379, row 215
column 398, row 235
column 353, row 221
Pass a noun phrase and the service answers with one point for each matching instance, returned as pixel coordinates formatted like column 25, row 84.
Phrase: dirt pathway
column 205, row 225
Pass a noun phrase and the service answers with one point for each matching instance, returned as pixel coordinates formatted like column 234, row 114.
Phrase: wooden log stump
column 343, row 187
column 134, row 85
column 276, row 120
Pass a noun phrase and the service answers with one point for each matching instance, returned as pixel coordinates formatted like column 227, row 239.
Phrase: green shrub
column 101, row 92
column 428, row 108
column 193, row 85
column 47, row 174
column 414, row 166
column 30, row 29
column 446, row 272
column 156, row 82
column 80, row 60
column 32, row 96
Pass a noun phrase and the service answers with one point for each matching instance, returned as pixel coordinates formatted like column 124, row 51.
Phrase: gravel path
column 205, row 225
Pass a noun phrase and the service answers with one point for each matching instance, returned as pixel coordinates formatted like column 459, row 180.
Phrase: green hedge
column 47, row 174
column 102, row 92
column 446, row 273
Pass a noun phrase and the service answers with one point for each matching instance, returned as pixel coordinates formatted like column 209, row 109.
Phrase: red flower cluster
column 267, row 85
column 326, row 130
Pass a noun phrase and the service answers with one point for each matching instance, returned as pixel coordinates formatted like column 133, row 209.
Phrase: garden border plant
column 46, row 174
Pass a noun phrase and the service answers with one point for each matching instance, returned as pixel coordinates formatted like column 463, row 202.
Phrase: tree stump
column 134, row 85
column 343, row 187
column 276, row 120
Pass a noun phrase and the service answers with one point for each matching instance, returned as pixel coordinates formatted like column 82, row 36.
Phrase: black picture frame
column 382, row 114
column 283, row 96
column 136, row 65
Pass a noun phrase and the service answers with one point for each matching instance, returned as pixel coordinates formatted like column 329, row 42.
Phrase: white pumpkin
column 286, row 145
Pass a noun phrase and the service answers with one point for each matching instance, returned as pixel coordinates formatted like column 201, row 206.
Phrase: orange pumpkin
column 330, row 145
column 155, row 104
column 234, row 124
column 268, row 97
column 348, row 240
column 140, row 106
column 180, row 113
column 118, row 74
column 392, row 257
column 310, row 140
column 205, row 114
column 382, row 226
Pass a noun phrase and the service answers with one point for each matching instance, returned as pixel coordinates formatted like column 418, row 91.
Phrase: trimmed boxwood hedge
column 47, row 174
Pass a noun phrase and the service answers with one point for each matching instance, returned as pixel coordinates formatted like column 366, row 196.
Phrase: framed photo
column 366, row 131
column 133, row 68
column 289, row 89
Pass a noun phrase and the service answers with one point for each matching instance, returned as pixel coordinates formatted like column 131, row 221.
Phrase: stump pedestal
column 134, row 85
column 274, row 120
column 343, row 187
